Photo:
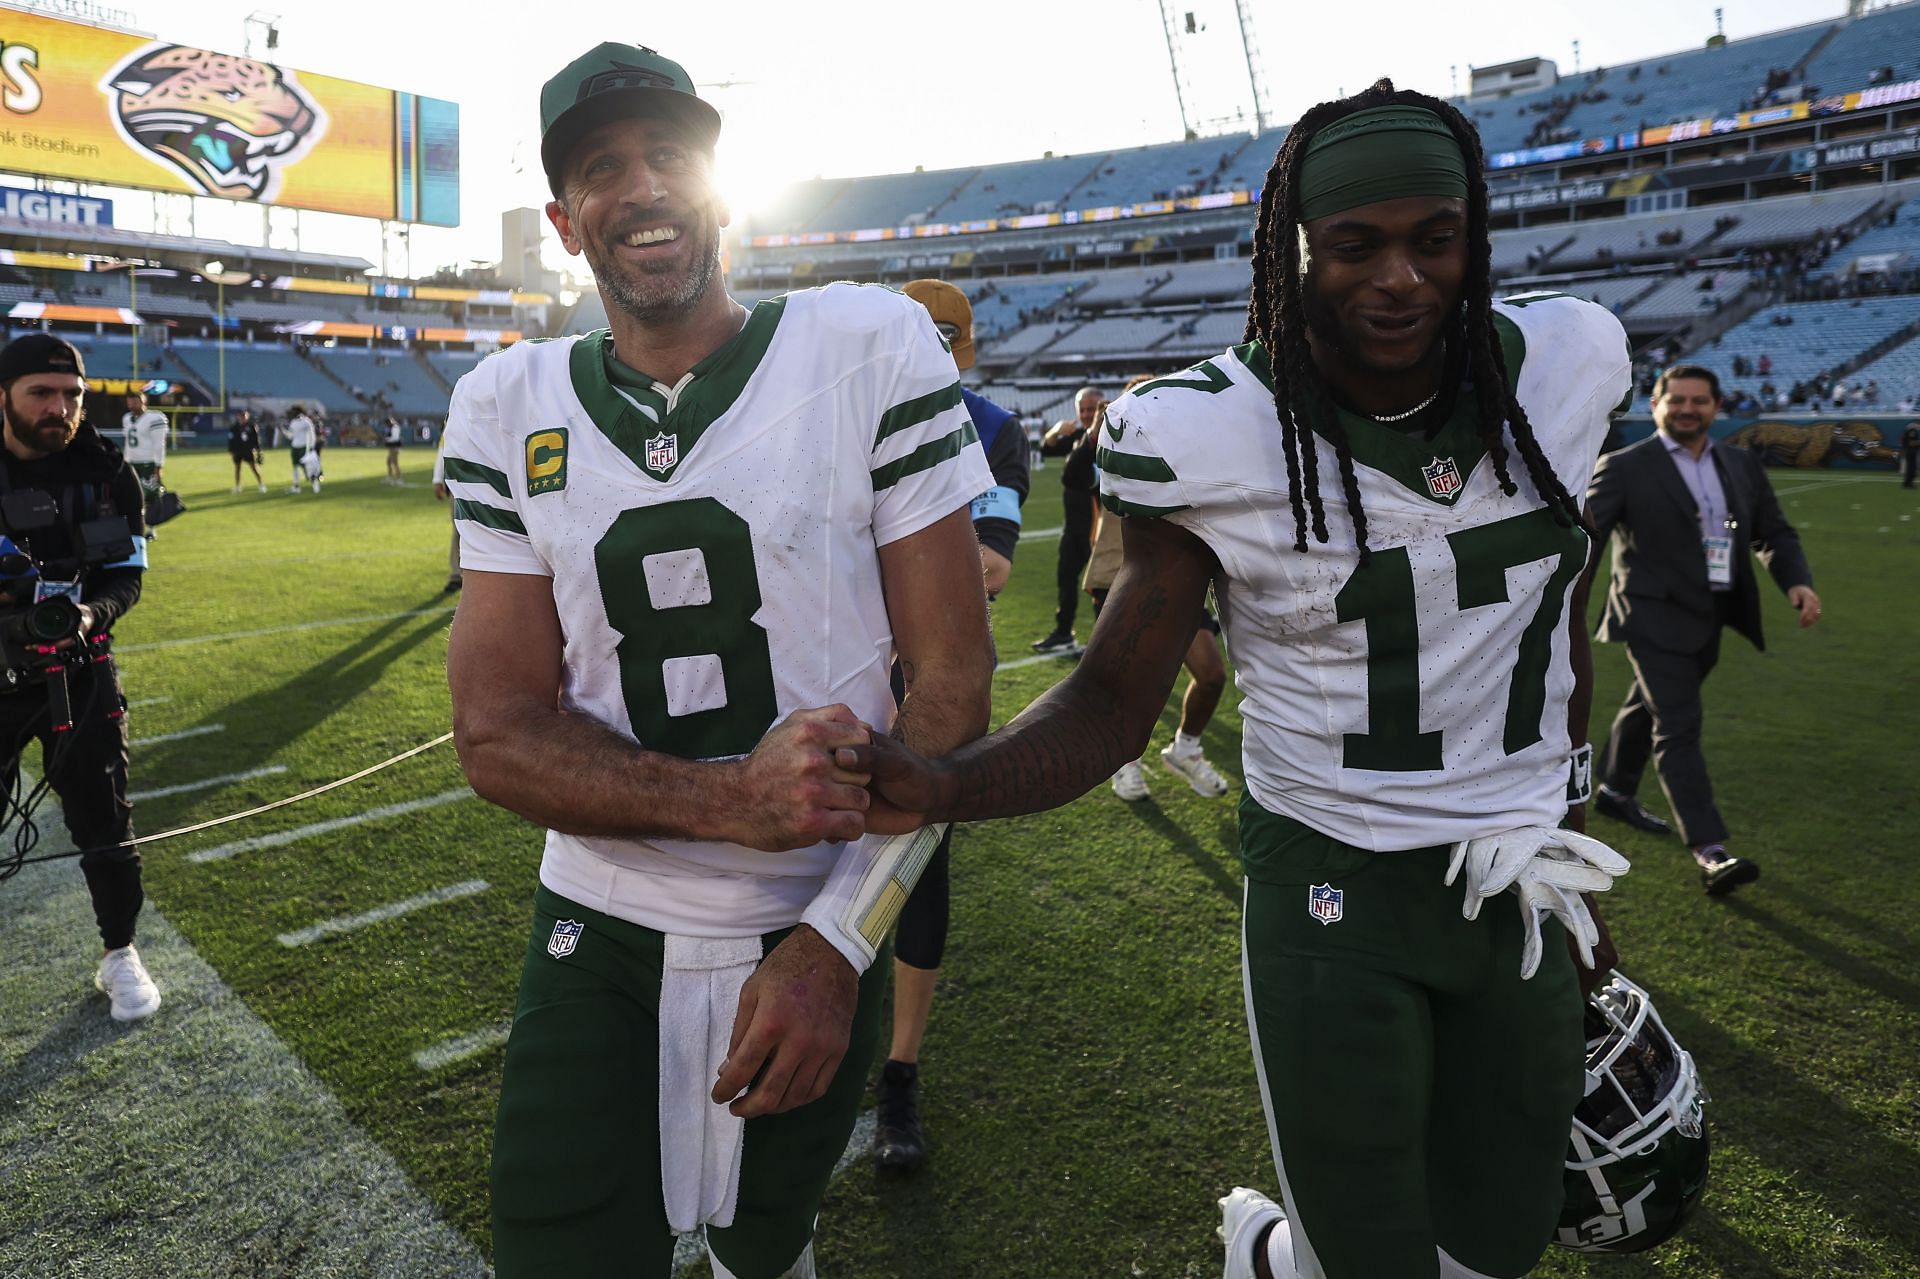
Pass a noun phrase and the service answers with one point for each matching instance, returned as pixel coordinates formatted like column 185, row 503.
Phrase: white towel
column 700, row 1141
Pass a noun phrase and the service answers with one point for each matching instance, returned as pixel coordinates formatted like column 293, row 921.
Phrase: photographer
column 71, row 565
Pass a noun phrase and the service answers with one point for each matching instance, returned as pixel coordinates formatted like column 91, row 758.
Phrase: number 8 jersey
column 714, row 550
column 1423, row 699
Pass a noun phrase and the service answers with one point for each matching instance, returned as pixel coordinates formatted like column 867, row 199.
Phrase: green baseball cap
column 612, row 82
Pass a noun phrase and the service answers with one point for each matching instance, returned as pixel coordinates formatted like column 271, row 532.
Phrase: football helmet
column 1637, row 1160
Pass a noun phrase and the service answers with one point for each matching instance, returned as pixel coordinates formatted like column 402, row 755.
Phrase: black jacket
column 91, row 478
column 1658, row 593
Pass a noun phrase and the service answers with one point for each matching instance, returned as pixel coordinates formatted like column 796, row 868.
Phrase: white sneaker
column 294, row 489
column 263, row 486
column 1203, row 777
column 1244, row 1217
column 124, row 980
column 316, row 486
column 236, row 488
column 1130, row 783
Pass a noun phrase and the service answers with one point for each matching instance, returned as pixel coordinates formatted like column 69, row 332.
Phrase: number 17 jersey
column 1422, row 699
column 714, row 552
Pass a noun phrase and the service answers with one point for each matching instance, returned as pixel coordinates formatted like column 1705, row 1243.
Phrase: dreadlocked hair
column 1276, row 318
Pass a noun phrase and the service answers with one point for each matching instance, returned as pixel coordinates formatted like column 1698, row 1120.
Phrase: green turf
column 1089, row 1088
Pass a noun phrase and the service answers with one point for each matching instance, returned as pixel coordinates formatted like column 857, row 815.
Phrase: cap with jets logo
column 612, row 82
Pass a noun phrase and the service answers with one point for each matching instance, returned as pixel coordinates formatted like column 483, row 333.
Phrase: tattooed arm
column 1076, row 734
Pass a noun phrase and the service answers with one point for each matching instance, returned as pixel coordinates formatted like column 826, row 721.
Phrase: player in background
column 1380, row 484
column 303, row 437
column 243, row 445
column 920, row 940
column 692, row 546
column 393, row 437
column 144, row 442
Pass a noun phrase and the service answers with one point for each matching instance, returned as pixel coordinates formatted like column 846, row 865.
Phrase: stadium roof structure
column 18, row 233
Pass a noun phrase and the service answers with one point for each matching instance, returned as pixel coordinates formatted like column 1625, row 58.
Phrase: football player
column 692, row 545
column 1415, row 679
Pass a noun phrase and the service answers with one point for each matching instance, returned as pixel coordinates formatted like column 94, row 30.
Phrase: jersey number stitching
column 721, row 627
column 1382, row 596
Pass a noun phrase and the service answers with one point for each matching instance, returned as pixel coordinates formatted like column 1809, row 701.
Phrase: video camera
column 38, row 614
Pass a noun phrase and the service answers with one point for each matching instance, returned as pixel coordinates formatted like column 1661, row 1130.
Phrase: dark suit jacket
column 1658, row 593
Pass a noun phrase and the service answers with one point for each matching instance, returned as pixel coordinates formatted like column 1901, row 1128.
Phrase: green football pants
column 1419, row 1094
column 576, row 1148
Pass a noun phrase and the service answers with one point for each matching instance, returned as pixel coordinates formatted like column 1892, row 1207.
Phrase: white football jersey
column 144, row 438
column 1423, row 699
column 714, row 550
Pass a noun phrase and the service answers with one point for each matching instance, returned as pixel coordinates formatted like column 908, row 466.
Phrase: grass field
column 1089, row 1087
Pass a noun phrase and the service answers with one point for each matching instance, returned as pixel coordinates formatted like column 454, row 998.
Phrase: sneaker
column 1202, row 776
column 1245, row 1217
column 452, row 586
column 316, row 486
column 1609, row 802
column 899, row 1145
column 124, row 980
column 293, row 488
column 263, row 486
column 1130, row 783
column 1056, row 642
column 236, row 488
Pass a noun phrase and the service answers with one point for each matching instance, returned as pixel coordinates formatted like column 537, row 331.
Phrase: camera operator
column 75, row 523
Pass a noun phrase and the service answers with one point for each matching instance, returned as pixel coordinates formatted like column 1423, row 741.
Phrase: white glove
column 1548, row 868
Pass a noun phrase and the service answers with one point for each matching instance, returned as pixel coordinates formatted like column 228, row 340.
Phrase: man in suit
column 1691, row 516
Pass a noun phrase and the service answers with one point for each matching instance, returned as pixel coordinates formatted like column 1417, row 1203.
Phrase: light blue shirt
column 1702, row 479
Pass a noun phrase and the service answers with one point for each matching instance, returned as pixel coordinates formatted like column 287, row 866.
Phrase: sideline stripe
column 182, row 735
column 205, row 783
column 1036, row 534
column 148, row 701
column 1035, row 660
column 380, row 914
column 280, row 630
column 452, row 1050
column 220, row 852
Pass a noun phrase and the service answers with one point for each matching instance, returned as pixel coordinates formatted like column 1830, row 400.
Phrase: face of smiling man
column 639, row 203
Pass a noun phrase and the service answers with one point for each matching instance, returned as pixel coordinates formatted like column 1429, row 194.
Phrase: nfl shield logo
column 663, row 451
column 566, row 935
column 1324, row 903
column 1442, row 477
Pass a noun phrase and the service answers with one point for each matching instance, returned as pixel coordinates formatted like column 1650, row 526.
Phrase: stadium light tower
column 1167, row 22
column 269, row 25
column 1250, row 49
column 1178, row 24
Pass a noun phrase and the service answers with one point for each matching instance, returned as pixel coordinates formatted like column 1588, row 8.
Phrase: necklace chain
column 1401, row 417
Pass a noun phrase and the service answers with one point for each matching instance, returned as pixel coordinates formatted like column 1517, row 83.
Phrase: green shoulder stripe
column 1134, row 466
column 927, row 456
column 917, row 410
column 458, row 468
column 1120, row 506
column 489, row 516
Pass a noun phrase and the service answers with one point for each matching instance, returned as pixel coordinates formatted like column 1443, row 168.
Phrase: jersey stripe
column 458, row 468
column 915, row 411
column 1120, row 506
column 489, row 516
column 927, row 456
column 1135, row 466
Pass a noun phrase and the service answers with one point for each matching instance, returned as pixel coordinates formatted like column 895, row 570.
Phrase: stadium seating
column 265, row 369
column 385, row 372
column 1897, row 372
column 1903, row 236
column 1679, row 299
column 1822, row 336
column 1161, row 172
column 1889, row 37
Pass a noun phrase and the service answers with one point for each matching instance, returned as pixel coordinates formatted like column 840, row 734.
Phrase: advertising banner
column 89, row 104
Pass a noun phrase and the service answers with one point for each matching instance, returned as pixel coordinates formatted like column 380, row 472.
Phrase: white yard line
column 206, row 783
column 148, row 701
column 190, row 640
column 1035, row 660
column 452, row 1050
column 381, row 914
column 1829, row 481
column 220, row 852
column 180, row 736
column 1039, row 534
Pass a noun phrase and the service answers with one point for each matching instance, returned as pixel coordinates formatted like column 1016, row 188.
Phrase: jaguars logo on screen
column 229, row 125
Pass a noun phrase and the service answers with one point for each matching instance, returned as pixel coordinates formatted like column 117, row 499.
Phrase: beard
column 657, row 295
column 48, row 434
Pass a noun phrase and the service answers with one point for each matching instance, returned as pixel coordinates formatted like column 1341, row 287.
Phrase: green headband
column 1382, row 153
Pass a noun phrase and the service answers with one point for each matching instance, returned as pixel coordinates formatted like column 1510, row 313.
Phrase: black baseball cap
column 39, row 353
column 611, row 82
